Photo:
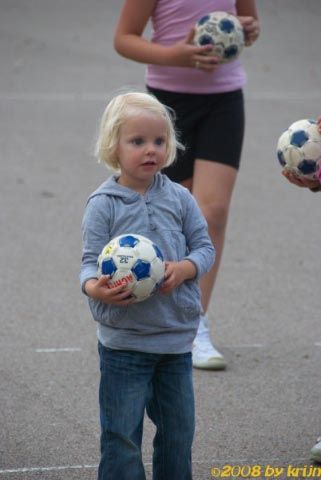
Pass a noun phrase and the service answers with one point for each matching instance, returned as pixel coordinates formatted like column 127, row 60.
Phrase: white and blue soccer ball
column 299, row 148
column 135, row 262
column 224, row 32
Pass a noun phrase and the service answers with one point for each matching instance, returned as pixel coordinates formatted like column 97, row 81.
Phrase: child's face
column 141, row 149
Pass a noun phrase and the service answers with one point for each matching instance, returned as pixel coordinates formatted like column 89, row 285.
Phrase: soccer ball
column 299, row 148
column 134, row 261
column 224, row 32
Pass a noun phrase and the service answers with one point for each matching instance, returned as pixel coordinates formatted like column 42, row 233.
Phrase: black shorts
column 210, row 126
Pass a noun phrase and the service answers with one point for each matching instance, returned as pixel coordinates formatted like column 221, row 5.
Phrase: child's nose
column 150, row 147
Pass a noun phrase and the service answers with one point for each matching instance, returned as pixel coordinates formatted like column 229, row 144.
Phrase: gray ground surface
column 57, row 69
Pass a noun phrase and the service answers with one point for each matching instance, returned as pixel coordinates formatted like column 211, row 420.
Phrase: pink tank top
column 171, row 21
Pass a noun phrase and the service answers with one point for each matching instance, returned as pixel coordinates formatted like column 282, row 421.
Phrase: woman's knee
column 216, row 216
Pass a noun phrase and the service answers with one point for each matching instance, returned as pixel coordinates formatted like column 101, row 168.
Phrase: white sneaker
column 204, row 354
column 316, row 452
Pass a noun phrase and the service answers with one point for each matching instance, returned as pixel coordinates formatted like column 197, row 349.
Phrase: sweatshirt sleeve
column 201, row 250
column 95, row 235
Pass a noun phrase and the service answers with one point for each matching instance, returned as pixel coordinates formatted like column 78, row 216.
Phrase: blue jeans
column 130, row 382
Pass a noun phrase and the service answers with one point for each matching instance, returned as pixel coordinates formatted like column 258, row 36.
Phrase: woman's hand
column 100, row 290
column 251, row 27
column 313, row 185
column 186, row 54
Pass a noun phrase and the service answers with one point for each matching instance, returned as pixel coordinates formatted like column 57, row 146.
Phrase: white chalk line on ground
column 57, row 350
column 101, row 96
column 46, row 469
column 247, row 345
column 214, row 462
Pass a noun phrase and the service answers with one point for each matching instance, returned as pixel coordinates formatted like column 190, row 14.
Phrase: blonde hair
column 117, row 111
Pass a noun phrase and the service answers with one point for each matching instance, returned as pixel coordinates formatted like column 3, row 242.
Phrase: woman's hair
column 117, row 111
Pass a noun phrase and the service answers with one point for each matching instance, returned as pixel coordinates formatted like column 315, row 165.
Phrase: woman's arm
column 129, row 42
column 247, row 8
column 248, row 16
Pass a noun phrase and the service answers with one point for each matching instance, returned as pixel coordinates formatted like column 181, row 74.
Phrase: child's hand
column 186, row 54
column 301, row 181
column 319, row 124
column 98, row 289
column 176, row 273
column 251, row 28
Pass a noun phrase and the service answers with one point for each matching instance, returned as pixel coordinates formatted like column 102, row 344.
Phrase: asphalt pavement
column 58, row 69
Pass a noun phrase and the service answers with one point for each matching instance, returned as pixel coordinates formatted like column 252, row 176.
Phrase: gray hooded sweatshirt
column 168, row 215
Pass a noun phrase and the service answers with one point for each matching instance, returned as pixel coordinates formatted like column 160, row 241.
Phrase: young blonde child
column 145, row 348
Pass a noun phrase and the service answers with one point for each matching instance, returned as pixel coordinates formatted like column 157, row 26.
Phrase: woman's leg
column 213, row 185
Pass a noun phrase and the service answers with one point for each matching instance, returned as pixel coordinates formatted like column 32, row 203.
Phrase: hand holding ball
column 223, row 32
column 299, row 149
column 133, row 261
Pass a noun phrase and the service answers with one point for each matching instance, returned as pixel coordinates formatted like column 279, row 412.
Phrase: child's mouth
column 149, row 163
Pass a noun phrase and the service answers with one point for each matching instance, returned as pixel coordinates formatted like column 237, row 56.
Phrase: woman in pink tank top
column 208, row 102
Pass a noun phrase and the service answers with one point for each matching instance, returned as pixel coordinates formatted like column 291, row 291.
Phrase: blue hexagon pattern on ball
column 134, row 261
column 108, row 267
column 141, row 269
column 224, row 32
column 128, row 241
column 299, row 148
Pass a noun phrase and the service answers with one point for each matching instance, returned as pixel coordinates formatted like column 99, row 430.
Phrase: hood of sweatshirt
column 112, row 187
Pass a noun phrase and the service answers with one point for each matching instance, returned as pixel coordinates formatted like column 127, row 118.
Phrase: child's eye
column 160, row 141
column 137, row 141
